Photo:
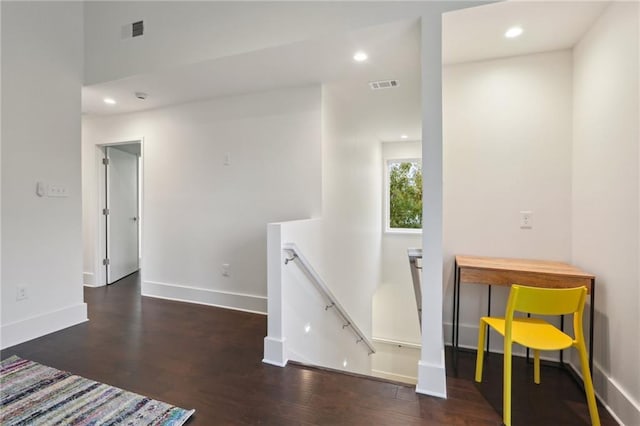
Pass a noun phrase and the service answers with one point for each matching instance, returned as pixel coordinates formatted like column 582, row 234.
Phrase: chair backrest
column 546, row 301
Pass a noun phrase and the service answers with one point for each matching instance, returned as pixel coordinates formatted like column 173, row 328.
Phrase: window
column 403, row 193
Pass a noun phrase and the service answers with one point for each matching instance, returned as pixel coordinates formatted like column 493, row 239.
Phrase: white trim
column 432, row 379
column 274, row 352
column 40, row 325
column 396, row 377
column 203, row 296
column 628, row 409
column 88, row 279
column 100, row 236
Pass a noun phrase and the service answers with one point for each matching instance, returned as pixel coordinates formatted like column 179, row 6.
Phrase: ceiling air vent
column 137, row 29
column 383, row 84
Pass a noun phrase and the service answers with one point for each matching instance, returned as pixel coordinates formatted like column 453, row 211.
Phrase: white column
column 431, row 367
column 274, row 343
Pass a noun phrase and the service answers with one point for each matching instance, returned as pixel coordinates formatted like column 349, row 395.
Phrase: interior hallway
column 208, row 358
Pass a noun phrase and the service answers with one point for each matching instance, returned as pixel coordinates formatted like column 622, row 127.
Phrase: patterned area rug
column 31, row 393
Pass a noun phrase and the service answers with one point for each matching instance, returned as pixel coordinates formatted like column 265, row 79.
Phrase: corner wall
column 507, row 148
column 199, row 213
column 605, row 202
column 41, row 236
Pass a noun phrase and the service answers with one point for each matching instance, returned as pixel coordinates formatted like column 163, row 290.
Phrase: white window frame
column 387, row 202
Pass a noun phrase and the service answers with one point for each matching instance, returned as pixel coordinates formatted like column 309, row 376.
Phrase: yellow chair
column 538, row 335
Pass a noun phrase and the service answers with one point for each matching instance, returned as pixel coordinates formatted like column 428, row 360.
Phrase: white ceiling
column 478, row 33
column 394, row 52
column 304, row 63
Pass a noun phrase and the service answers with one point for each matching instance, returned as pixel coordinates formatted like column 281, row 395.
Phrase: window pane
column 405, row 195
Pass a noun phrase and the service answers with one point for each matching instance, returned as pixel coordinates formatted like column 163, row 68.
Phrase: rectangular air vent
column 137, row 29
column 383, row 84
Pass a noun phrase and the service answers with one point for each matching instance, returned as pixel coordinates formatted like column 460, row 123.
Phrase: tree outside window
column 404, row 193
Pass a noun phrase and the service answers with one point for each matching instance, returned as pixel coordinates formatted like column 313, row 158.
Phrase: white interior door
column 122, row 217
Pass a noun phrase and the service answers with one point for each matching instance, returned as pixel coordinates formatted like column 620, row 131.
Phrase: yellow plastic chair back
column 539, row 335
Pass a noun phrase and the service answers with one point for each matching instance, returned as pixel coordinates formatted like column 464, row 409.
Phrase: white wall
column 41, row 238
column 351, row 196
column 395, row 314
column 605, row 198
column 507, row 141
column 199, row 213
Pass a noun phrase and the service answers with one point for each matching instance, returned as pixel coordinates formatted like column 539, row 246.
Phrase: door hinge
column 105, row 262
column 105, row 161
column 105, row 212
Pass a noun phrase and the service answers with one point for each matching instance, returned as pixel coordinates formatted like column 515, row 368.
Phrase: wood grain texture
column 506, row 272
column 209, row 359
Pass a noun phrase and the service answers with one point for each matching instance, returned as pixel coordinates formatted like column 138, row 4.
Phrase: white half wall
column 42, row 65
column 606, row 215
column 200, row 213
column 507, row 148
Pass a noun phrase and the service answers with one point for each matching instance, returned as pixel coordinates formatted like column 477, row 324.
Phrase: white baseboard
column 432, row 379
column 395, row 377
column 88, row 279
column 274, row 352
column 203, row 296
column 31, row 328
column 622, row 407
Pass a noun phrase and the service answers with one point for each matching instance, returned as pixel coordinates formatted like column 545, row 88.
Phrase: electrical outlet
column 224, row 270
column 526, row 219
column 21, row 294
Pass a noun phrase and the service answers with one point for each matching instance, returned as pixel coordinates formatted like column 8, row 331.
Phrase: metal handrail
column 414, row 255
column 332, row 302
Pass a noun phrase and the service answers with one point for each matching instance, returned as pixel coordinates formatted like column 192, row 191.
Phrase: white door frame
column 100, row 236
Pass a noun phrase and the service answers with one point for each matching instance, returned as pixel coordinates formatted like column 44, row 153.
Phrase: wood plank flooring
column 209, row 359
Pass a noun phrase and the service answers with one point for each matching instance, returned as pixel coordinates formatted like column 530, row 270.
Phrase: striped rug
column 34, row 394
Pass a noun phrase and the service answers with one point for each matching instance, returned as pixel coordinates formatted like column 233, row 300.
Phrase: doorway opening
column 120, row 210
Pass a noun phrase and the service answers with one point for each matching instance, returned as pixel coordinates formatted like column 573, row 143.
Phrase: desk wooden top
column 506, row 272
column 522, row 265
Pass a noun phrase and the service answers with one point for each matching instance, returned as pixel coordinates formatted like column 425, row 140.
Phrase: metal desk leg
column 489, row 314
column 455, row 332
column 562, row 329
column 592, row 312
column 453, row 305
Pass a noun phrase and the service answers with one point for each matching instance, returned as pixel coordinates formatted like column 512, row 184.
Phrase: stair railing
column 415, row 255
column 330, row 299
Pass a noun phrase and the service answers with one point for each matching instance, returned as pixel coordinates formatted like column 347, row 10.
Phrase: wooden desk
column 506, row 272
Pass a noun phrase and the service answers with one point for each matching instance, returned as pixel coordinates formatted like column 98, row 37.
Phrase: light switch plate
column 526, row 219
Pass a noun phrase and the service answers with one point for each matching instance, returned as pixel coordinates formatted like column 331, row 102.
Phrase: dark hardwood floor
column 209, row 359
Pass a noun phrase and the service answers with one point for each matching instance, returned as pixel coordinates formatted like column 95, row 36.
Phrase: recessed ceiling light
column 513, row 32
column 403, row 136
column 109, row 101
column 360, row 56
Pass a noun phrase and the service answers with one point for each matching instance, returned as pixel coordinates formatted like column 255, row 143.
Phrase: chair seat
column 534, row 333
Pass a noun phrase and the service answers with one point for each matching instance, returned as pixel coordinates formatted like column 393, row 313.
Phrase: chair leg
column 482, row 330
column 506, row 388
column 536, row 366
column 588, row 384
